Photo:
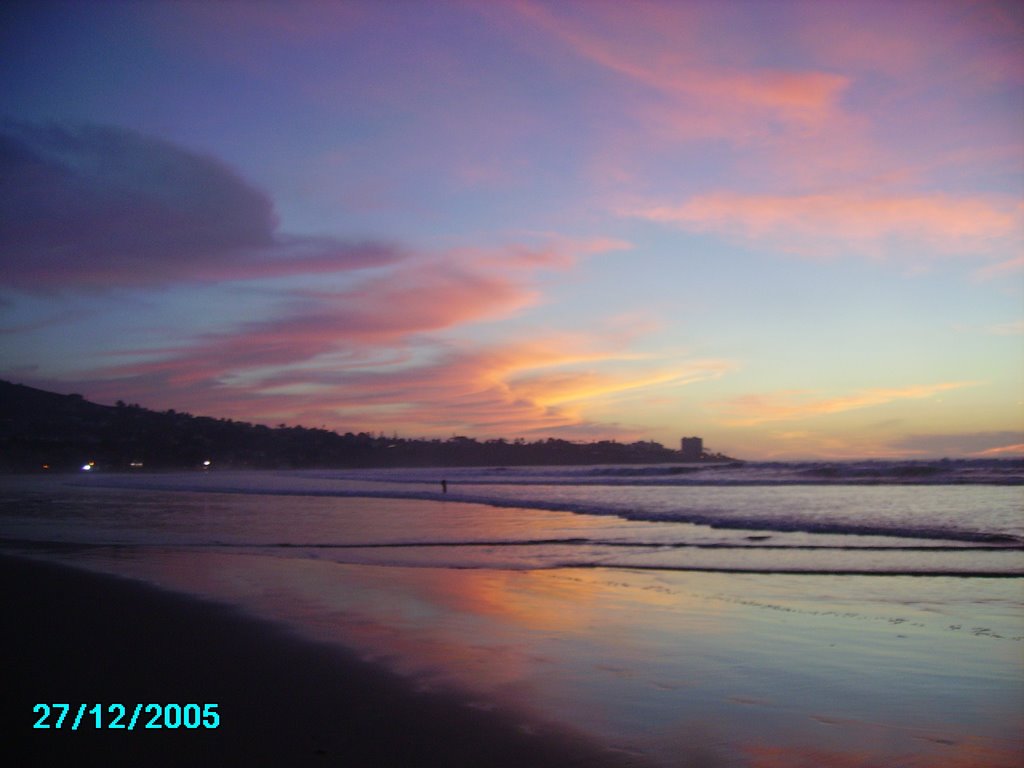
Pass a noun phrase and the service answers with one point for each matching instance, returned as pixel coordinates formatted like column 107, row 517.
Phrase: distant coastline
column 45, row 431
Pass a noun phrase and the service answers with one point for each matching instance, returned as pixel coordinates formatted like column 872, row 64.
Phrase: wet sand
column 73, row 636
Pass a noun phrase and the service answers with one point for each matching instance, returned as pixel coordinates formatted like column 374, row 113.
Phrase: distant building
column 692, row 448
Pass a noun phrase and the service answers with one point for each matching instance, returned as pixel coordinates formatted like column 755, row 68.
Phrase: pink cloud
column 834, row 223
column 863, row 106
column 660, row 47
column 426, row 297
column 553, row 251
column 912, row 40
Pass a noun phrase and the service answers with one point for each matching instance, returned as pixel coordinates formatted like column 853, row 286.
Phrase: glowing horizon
column 792, row 228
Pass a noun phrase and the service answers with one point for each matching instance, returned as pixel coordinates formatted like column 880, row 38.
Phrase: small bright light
column 86, row 467
column 206, row 463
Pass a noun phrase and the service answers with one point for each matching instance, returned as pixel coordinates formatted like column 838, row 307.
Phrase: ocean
column 797, row 609
column 941, row 518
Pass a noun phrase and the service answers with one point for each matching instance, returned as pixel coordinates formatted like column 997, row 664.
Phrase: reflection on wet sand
column 954, row 751
column 728, row 667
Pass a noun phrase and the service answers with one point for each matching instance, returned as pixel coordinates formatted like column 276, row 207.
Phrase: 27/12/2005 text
column 117, row 716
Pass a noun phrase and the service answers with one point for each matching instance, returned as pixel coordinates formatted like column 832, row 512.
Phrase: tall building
column 692, row 448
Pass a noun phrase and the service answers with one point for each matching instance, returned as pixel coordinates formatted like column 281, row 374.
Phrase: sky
column 793, row 228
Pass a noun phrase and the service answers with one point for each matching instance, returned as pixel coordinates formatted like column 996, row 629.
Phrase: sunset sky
column 793, row 228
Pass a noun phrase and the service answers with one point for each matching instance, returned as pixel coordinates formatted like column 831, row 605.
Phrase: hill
column 63, row 432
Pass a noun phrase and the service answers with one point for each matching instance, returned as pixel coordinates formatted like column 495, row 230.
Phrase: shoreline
column 75, row 636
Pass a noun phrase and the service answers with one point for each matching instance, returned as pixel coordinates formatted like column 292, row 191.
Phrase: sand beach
column 78, row 637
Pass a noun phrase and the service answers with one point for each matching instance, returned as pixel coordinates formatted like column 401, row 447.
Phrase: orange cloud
column 751, row 410
column 1003, row 450
column 576, row 387
column 523, row 388
column 529, row 388
column 834, row 222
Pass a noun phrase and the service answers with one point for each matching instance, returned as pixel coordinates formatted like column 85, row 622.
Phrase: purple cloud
column 85, row 206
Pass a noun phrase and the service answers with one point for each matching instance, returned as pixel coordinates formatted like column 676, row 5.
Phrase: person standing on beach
column 444, row 486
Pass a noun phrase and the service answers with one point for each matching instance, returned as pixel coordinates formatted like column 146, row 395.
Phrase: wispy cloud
column 827, row 154
column 546, row 386
column 661, row 51
column 539, row 250
column 980, row 444
column 1008, row 329
column 750, row 410
column 383, row 310
column 831, row 224
column 524, row 388
column 1015, row 449
column 984, row 40
column 1001, row 269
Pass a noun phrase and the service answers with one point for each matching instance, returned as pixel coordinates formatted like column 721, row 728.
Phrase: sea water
column 942, row 518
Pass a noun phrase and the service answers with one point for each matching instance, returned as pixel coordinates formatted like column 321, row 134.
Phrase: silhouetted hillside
column 63, row 432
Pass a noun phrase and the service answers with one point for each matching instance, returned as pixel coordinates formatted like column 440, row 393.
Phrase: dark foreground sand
column 72, row 636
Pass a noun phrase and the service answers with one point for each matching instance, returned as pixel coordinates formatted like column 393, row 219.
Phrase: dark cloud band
column 85, row 206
